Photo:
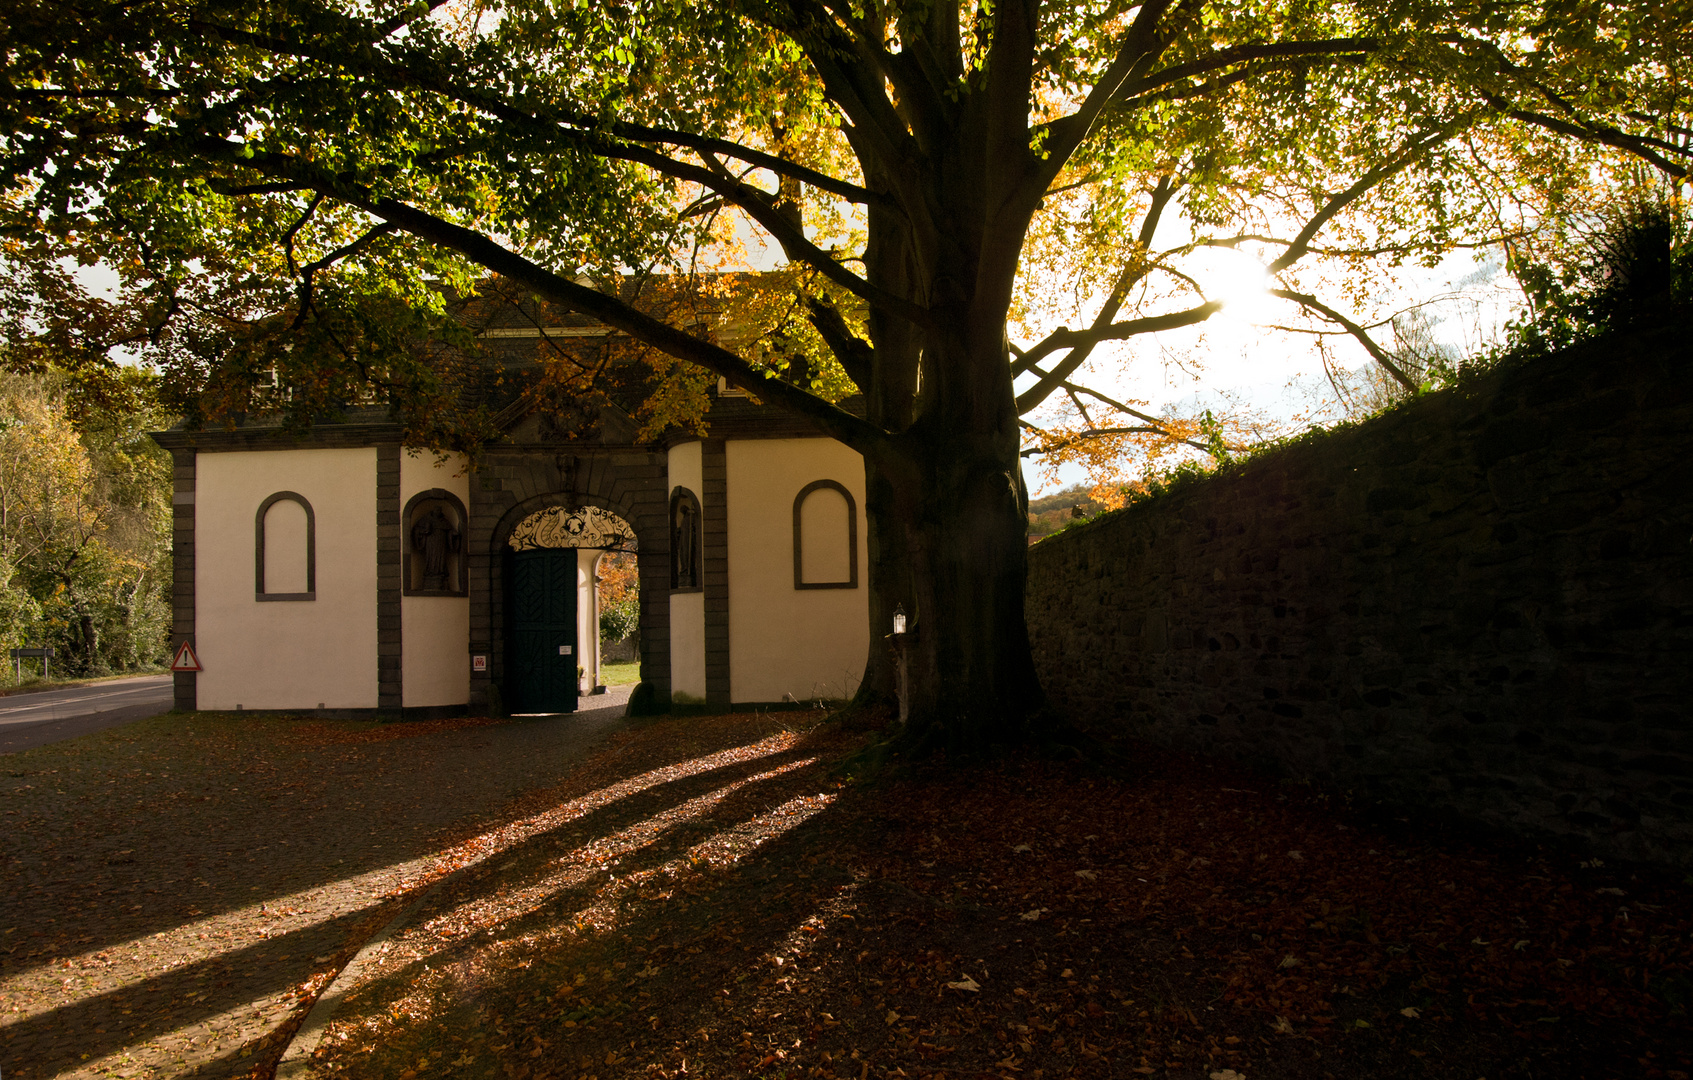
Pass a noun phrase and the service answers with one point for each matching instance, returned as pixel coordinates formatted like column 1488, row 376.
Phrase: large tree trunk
column 889, row 580
column 947, row 508
column 960, row 500
column 890, row 404
column 972, row 676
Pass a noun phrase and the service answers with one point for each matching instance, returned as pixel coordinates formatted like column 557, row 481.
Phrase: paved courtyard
column 172, row 890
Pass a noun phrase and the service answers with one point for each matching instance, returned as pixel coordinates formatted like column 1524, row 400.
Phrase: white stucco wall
column 784, row 640
column 434, row 630
column 687, row 648
column 286, row 654
column 687, row 609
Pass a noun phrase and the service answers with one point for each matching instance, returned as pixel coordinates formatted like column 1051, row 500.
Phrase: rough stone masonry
column 1479, row 604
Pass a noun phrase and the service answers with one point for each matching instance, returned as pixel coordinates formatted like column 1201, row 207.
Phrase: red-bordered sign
column 186, row 659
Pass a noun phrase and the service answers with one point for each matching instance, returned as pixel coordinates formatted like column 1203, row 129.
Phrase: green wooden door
column 541, row 630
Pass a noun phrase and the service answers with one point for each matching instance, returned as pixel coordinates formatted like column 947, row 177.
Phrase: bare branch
column 1118, row 405
column 1097, row 433
column 1070, row 392
column 1312, row 303
column 1232, row 242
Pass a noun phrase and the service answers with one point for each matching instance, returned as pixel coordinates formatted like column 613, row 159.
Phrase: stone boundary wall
column 1479, row 605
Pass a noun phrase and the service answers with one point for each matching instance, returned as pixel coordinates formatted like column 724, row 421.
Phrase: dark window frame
column 461, row 565
column 852, row 537
column 259, row 592
column 679, row 495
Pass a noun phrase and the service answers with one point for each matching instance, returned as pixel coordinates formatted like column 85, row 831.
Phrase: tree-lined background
column 85, row 560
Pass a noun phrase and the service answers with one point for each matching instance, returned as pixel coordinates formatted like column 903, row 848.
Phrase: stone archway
column 516, row 485
column 549, row 561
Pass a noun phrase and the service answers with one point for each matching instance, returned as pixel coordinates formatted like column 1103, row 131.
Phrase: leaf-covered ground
column 709, row 897
column 174, row 892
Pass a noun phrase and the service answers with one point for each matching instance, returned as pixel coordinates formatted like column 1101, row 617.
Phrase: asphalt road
column 28, row 720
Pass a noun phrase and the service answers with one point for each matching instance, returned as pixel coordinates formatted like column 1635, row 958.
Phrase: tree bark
column 973, row 680
column 945, row 499
column 890, row 400
column 958, row 496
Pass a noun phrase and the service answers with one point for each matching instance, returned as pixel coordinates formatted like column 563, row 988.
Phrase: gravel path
column 173, row 892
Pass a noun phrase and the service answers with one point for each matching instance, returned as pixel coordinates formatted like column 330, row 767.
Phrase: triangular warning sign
column 186, row 660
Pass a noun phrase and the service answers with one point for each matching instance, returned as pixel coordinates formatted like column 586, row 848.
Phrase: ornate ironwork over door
column 541, row 644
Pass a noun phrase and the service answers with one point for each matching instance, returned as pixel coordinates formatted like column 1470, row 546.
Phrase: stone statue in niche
column 435, row 540
column 685, row 545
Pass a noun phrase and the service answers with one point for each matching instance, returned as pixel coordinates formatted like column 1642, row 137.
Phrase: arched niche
column 687, row 540
column 435, row 562
column 285, row 548
column 825, row 537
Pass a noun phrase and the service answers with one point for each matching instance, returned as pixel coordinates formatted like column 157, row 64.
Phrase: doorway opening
column 552, row 605
column 619, row 596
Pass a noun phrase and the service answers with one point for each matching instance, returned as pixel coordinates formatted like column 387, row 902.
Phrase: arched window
column 433, row 541
column 285, row 549
column 825, row 537
column 686, row 539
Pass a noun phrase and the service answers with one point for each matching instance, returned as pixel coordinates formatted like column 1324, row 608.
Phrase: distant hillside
column 1050, row 513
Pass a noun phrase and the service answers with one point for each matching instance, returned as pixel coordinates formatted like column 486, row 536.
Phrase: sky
column 1236, row 359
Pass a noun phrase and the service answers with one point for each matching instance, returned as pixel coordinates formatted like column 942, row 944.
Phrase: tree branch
column 1064, row 337
column 851, row 77
column 1141, row 46
column 1312, row 303
column 761, row 207
column 1336, row 203
column 1603, row 135
column 835, row 422
column 1224, row 58
column 854, row 353
column 309, row 271
column 417, row 75
column 1161, row 194
column 235, row 190
column 1095, row 433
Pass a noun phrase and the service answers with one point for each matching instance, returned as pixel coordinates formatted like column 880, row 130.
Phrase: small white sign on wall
column 479, row 663
column 564, row 650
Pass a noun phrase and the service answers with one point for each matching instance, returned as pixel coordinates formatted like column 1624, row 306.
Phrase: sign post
column 18, row 660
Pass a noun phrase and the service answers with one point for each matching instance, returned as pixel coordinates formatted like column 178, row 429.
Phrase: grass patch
column 620, row 673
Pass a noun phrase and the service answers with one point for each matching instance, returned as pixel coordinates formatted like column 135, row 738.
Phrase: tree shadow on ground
column 233, row 971
column 1029, row 919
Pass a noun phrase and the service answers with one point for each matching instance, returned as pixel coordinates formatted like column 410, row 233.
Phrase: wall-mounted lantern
column 899, row 619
